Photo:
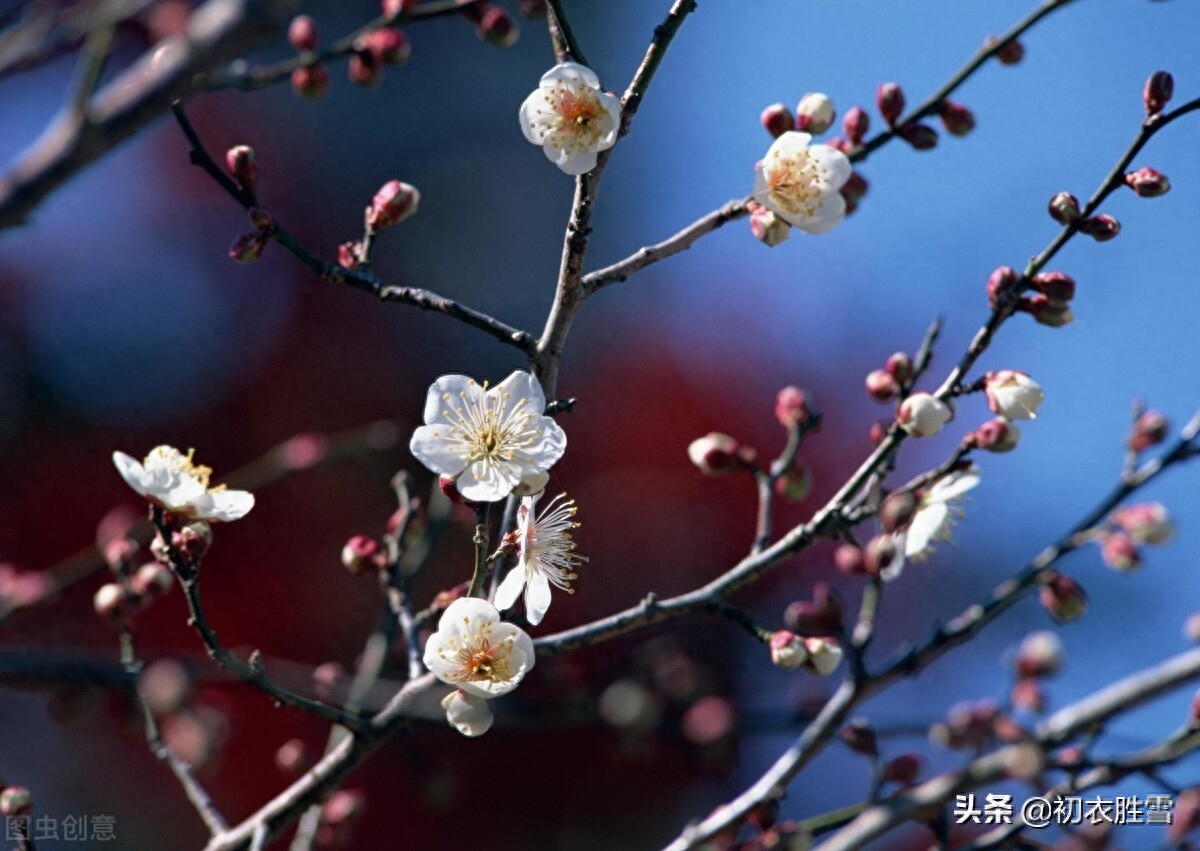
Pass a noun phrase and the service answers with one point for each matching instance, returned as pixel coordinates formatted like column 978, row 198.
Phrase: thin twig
column 566, row 48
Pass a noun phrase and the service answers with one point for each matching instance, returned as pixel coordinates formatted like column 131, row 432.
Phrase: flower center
column 487, row 428
column 793, row 183
column 477, row 659
column 185, row 465
column 579, row 112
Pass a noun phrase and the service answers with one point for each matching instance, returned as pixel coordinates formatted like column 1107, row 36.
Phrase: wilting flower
column 488, row 439
column 545, row 556
column 1013, row 395
column 936, row 511
column 171, row 480
column 800, row 182
column 477, row 652
column 571, row 118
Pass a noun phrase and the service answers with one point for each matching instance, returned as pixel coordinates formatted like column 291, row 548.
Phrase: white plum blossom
column 923, row 414
column 936, row 511
column 824, row 655
column 468, row 714
column 1013, row 395
column 571, row 118
column 476, row 652
column 489, row 440
column 172, row 481
column 800, row 182
column 545, row 556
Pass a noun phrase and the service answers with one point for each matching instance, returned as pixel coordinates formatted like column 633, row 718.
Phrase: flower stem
column 483, row 566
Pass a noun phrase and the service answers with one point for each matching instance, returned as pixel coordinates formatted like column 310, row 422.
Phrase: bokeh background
column 124, row 325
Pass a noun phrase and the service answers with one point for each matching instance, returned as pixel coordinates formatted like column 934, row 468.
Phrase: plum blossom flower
column 489, row 440
column 545, row 556
column 476, row 652
column 171, row 480
column 1013, row 395
column 571, row 118
column 923, row 414
column 468, row 714
column 937, row 511
column 800, row 182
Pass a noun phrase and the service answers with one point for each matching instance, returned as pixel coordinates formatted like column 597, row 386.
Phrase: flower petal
column 572, row 161
column 468, row 714
column 790, row 144
column 131, row 471
column 895, row 567
column 433, row 447
column 484, row 481
column 955, row 484
column 925, row 526
column 537, row 597
column 449, row 390
column 831, row 209
column 510, row 588
column 833, row 167
column 571, row 73
column 521, row 385
column 228, row 505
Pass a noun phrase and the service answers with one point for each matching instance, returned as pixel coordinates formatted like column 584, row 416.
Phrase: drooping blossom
column 800, row 182
column 545, row 556
column 571, row 118
column 487, row 439
column 172, row 481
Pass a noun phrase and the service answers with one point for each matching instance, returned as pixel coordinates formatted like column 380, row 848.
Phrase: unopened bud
column 498, row 27
column 997, row 435
column 310, row 82
column 261, row 221
column 716, row 454
column 393, row 8
column 1146, row 522
column 878, row 431
column 393, row 203
column 897, row 511
column 855, row 124
column 795, row 483
column 328, row 678
column 791, row 407
column 165, row 686
column 348, row 255
column 535, row 10
column 302, row 33
column 1101, row 228
column 152, row 579
column 1120, row 552
column 1012, row 394
column 839, row 144
column 195, row 539
column 900, row 367
column 1159, row 89
column 1063, row 598
column 1028, row 695
column 881, row 386
column 923, row 415
column 1010, row 54
column 293, row 758
column 879, row 554
column 344, row 806
column 824, row 655
column 860, row 738
column 365, row 67
column 1055, row 286
column 1040, row 655
column 247, row 248
column 814, row 113
column 1150, row 429
column 956, row 118
column 361, row 553
column 1064, row 208
column 1001, row 284
column 821, row 615
column 777, row 119
column 848, row 558
column 922, row 137
column 1046, row 311
column 115, row 604
column 1147, row 182
column 389, row 45
column 242, row 163
column 904, row 769
column 855, row 188
column 787, row 650
column 768, row 228
column 119, row 554
column 16, row 801
column 889, row 97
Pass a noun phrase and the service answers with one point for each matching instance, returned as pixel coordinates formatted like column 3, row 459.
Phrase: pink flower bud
column 769, row 228
column 777, row 119
column 922, row 137
column 1159, row 89
column 16, row 801
column 1146, row 522
column 1055, row 286
column 119, row 554
column 904, row 769
column 923, row 415
column 1013, row 394
column 848, row 558
column 1191, row 627
column 824, row 655
column 821, row 615
column 1064, row 208
column 302, row 33
column 344, row 806
column 900, row 367
column 194, row 540
column 1100, row 228
column 535, row 10
column 897, row 511
column 1147, row 182
column 293, row 758
column 881, row 386
column 247, row 248
column 361, row 553
column 365, row 67
column 328, row 678
column 1046, row 311
column 165, row 686
column 814, row 113
column 997, row 435
column 152, row 579
column 1010, row 54
column 878, row 431
column 843, row 145
column 1040, row 655
column 855, row 188
column 1001, row 284
column 261, row 221
column 855, row 124
column 393, row 203
column 787, row 650
column 115, row 604
column 879, row 554
column 1063, row 598
column 795, row 483
column 498, row 28
column 860, row 738
column 393, row 8
column 716, row 454
column 956, row 118
column 389, row 45
column 791, row 407
column 1150, row 429
column 1028, row 695
column 242, row 163
column 1120, row 552
column 348, row 255
column 889, row 97
column 310, row 82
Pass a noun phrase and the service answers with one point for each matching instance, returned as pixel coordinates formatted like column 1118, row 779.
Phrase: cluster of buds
column 885, row 384
column 1049, row 304
column 135, row 588
column 818, row 655
column 496, row 26
column 1062, row 597
column 716, row 454
column 968, row 726
column 814, row 114
column 1040, row 655
column 1128, row 529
